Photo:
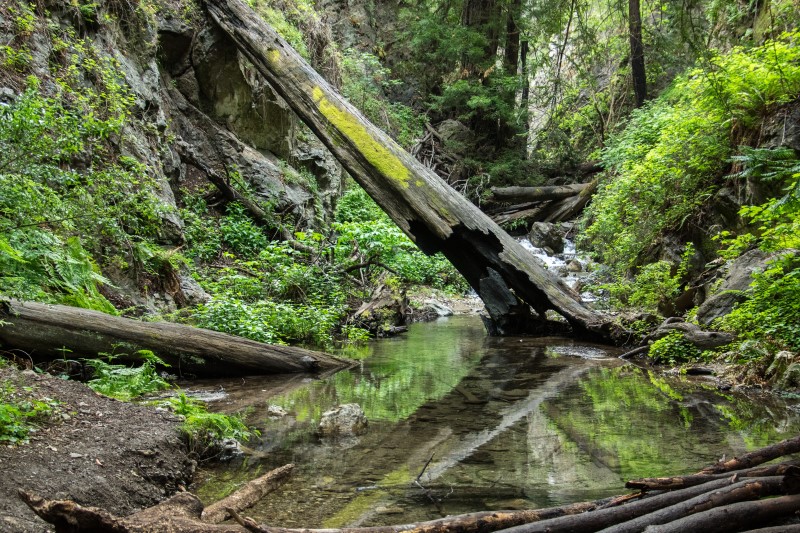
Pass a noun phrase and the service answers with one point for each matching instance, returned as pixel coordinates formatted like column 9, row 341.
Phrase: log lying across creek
column 716, row 499
column 58, row 331
column 437, row 218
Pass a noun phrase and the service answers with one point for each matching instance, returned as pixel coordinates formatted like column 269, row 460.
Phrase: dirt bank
column 95, row 450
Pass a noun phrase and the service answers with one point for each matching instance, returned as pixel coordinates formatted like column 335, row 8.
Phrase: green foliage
column 365, row 234
column 772, row 311
column 205, row 431
column 365, row 83
column 57, row 181
column 289, row 18
column 127, row 382
column 669, row 158
column 21, row 412
column 673, row 349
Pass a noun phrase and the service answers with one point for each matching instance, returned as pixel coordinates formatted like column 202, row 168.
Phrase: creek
column 462, row 422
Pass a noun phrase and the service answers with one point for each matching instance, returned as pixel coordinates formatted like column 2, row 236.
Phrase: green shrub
column 667, row 161
column 127, row 382
column 21, row 412
column 673, row 349
column 205, row 431
column 772, row 309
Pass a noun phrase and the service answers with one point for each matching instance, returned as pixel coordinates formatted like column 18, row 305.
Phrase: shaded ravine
column 462, row 422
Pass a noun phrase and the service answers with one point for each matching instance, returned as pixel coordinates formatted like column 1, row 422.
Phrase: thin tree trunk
column 637, row 52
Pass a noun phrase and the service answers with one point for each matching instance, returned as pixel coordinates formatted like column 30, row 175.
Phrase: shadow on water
column 461, row 422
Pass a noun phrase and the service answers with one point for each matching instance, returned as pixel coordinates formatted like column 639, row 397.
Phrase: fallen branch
column 751, row 489
column 603, row 518
column 247, row 496
column 680, row 482
column 743, row 515
column 757, row 457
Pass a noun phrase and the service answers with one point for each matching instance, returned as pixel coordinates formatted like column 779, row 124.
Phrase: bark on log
column 44, row 330
column 432, row 214
column 536, row 194
column 596, row 520
column 681, row 482
column 756, row 457
column 751, row 489
column 743, row 515
column 178, row 514
column 247, row 496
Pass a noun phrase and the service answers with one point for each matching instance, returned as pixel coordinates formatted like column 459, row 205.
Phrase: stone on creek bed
column 347, row 419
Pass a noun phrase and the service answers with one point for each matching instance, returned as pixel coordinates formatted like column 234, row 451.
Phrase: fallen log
column 756, row 457
column 536, row 194
column 603, row 518
column 247, row 496
column 50, row 331
column 743, row 515
column 432, row 214
column 751, row 489
column 680, row 482
column 180, row 513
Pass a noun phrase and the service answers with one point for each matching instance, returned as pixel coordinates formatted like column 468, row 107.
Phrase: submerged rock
column 347, row 419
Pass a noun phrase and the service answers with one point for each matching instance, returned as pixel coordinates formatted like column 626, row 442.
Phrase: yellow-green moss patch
column 375, row 153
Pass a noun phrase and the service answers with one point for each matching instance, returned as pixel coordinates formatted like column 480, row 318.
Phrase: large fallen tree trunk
column 44, row 330
column 434, row 216
column 536, row 194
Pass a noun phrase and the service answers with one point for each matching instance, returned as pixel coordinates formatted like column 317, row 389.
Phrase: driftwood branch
column 757, row 457
column 680, row 482
column 247, row 496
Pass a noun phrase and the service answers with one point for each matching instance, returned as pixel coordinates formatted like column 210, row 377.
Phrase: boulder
column 737, row 280
column 546, row 235
column 456, row 136
column 344, row 420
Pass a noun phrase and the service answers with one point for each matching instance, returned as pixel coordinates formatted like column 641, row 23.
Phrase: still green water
column 461, row 422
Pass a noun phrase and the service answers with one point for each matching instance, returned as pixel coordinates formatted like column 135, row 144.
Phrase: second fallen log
column 51, row 331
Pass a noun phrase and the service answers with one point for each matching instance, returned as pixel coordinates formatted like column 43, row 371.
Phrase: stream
column 462, row 422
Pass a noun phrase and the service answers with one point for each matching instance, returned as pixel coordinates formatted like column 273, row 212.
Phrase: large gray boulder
column 344, row 420
column 737, row 280
column 547, row 235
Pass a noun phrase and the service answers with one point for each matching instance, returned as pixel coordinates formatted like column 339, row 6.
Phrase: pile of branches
column 734, row 495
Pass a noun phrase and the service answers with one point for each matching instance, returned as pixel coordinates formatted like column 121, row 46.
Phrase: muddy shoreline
column 94, row 450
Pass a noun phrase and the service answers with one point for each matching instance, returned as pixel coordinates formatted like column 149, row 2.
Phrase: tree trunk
column 536, row 194
column 433, row 215
column 56, row 331
column 637, row 52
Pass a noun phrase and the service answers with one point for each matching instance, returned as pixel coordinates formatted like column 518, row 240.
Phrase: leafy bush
column 772, row 310
column 21, row 412
column 206, row 431
column 127, row 382
column 673, row 349
column 666, row 163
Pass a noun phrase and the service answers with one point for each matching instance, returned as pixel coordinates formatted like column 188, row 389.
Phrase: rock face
column 737, row 280
column 344, row 420
column 546, row 235
column 191, row 88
